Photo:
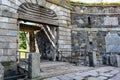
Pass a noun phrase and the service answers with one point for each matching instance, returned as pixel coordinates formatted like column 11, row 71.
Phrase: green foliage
column 22, row 40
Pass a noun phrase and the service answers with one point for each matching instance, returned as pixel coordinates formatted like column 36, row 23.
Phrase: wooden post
column 32, row 42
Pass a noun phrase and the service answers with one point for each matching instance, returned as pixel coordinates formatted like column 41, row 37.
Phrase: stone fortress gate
column 94, row 29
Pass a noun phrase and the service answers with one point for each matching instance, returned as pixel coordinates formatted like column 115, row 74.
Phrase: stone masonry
column 92, row 23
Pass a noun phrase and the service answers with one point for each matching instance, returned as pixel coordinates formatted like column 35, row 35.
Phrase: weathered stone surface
column 92, row 78
column 102, row 78
column 62, row 77
column 4, row 58
column 112, row 44
column 8, row 53
column 1, row 72
column 118, row 60
column 64, row 46
column 53, row 78
column 96, row 20
column 1, row 52
column 13, row 45
column 34, row 65
column 9, row 26
column 8, row 32
column 12, row 58
column 78, row 78
column 86, row 75
column 70, row 75
column 114, row 72
column 8, row 39
column 106, row 75
column 8, row 20
column 93, row 73
column 117, row 77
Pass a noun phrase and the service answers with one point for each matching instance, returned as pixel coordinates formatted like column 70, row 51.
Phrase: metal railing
column 23, row 62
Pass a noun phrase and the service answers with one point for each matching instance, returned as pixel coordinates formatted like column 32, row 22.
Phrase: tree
column 22, row 40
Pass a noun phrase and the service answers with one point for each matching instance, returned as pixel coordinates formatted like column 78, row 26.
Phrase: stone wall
column 9, row 27
column 100, row 16
column 94, row 29
column 112, row 40
column 86, row 41
column 97, row 8
column 96, row 21
column 8, row 31
column 64, row 38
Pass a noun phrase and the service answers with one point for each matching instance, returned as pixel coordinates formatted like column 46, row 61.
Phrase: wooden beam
column 38, row 14
column 29, row 28
column 31, row 18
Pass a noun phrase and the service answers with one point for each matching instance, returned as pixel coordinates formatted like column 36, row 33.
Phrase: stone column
column 1, row 72
column 34, row 65
column 8, row 32
column 118, row 60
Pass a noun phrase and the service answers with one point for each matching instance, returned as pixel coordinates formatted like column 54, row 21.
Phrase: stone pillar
column 92, row 59
column 34, row 65
column 118, row 60
column 8, row 31
column 1, row 72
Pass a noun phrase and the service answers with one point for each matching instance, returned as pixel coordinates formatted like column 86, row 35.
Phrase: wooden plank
column 39, row 14
column 32, row 42
column 40, row 9
column 36, row 13
column 37, row 17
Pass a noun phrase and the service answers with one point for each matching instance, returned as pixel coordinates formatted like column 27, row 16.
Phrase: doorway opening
column 34, row 37
column 39, row 25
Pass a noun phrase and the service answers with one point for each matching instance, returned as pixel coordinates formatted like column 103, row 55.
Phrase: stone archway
column 9, row 18
column 9, row 26
column 46, row 35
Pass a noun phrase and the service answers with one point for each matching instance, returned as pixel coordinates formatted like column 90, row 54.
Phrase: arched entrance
column 41, row 24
